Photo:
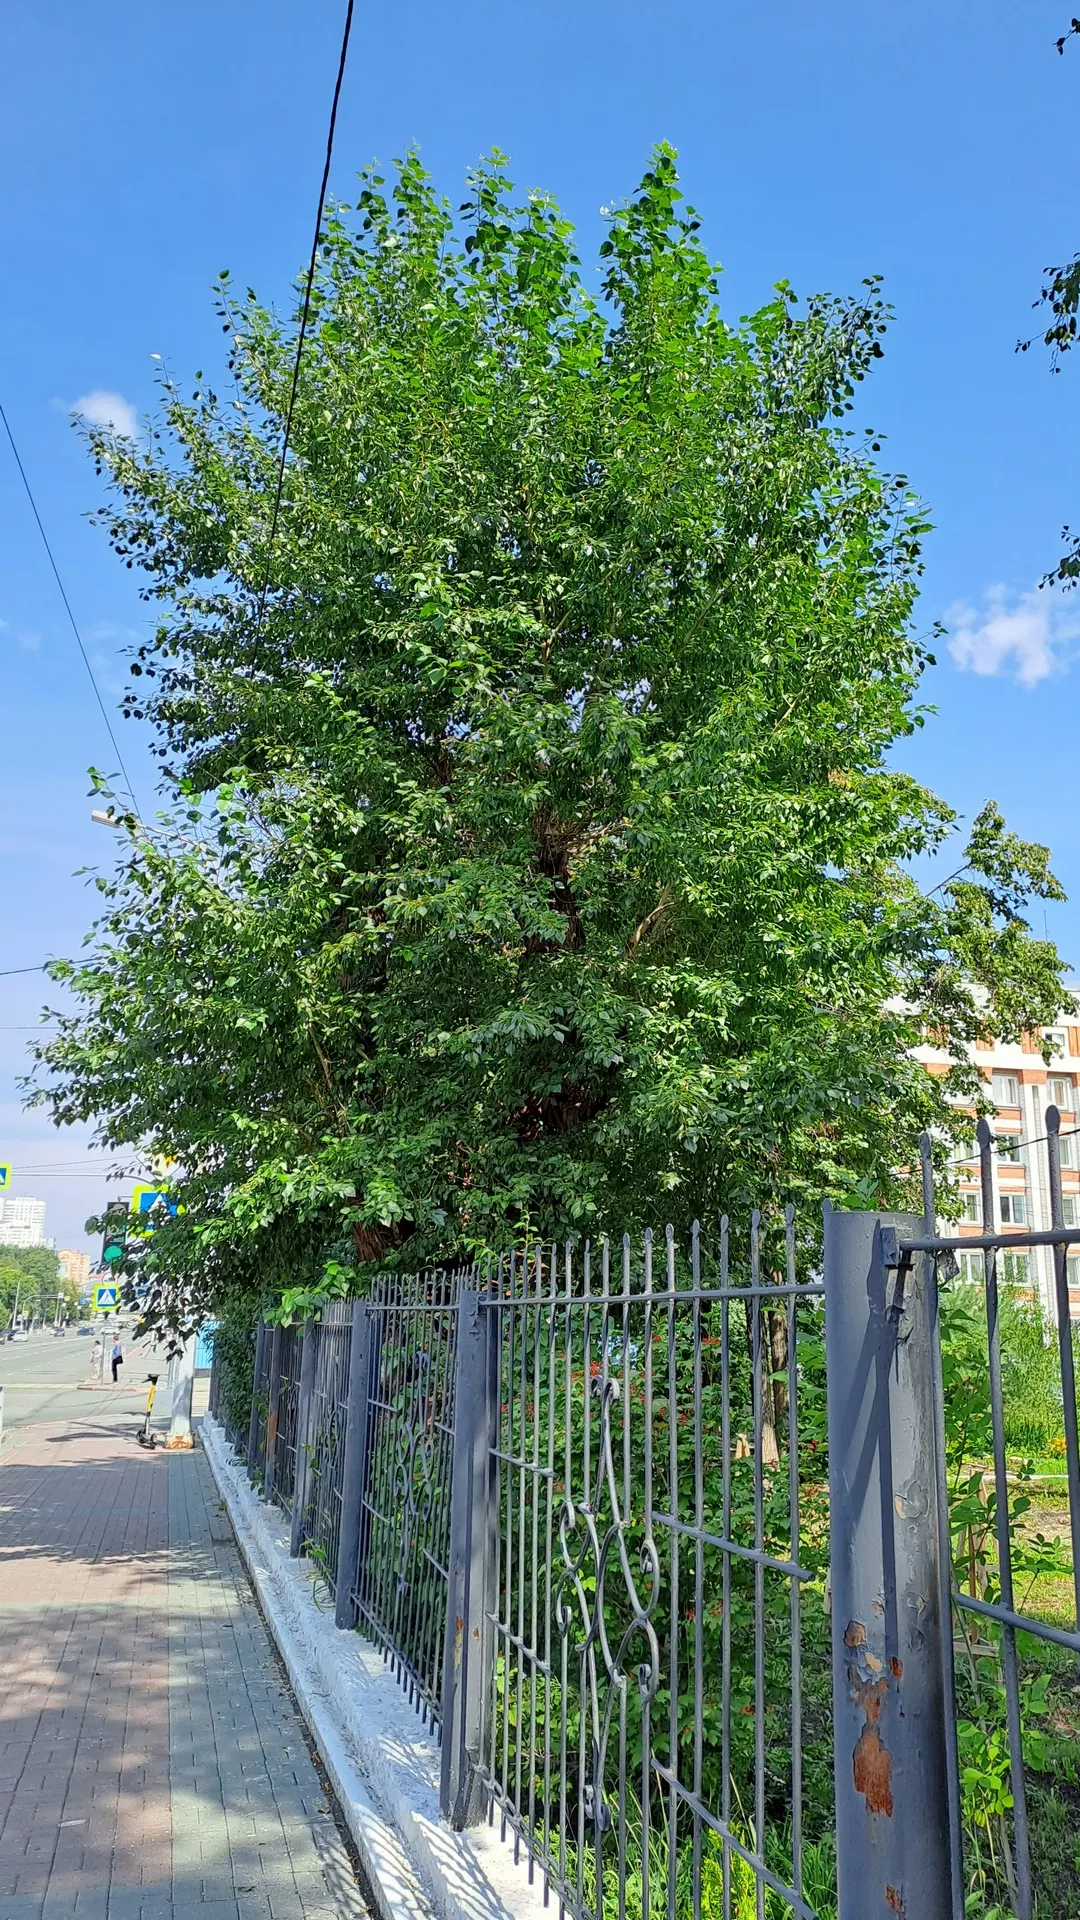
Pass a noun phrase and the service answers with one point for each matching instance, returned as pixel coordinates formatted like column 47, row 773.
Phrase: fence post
column 302, row 1485
column 474, row 1519
column 270, row 1459
column 892, row 1712
column 354, row 1470
column 256, row 1389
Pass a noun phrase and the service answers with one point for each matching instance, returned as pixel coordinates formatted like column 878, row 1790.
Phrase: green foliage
column 536, row 860
column 33, row 1274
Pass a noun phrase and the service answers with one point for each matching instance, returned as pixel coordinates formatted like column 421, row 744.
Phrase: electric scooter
column 145, row 1436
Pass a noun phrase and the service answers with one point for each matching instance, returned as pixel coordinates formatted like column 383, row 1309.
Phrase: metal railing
column 635, row 1725
column 326, row 1424
column 398, row 1576
column 670, row 1546
column 284, row 1416
column 1007, row 1651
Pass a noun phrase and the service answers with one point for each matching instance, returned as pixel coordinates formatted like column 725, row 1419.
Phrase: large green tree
column 537, row 861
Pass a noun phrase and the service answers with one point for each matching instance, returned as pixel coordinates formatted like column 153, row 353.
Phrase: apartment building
column 22, row 1222
column 75, row 1268
column 1022, row 1086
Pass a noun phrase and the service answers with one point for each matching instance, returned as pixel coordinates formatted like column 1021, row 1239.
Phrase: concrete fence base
column 383, row 1766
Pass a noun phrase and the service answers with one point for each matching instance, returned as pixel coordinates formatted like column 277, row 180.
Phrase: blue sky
column 142, row 149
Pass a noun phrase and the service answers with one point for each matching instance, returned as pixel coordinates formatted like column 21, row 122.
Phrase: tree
column 34, row 1272
column 536, row 864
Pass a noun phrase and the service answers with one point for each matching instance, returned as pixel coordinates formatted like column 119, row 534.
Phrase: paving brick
column 152, row 1765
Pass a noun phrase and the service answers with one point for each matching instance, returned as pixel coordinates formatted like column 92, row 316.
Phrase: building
column 75, row 1268
column 22, row 1222
column 1022, row 1086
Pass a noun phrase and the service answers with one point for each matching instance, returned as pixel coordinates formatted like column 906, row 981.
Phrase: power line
column 305, row 310
column 70, row 615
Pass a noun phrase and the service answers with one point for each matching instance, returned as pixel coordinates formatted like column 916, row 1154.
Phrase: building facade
column 1022, row 1086
column 22, row 1222
column 75, row 1268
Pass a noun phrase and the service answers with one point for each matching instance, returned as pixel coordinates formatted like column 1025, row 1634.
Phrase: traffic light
column 115, row 1239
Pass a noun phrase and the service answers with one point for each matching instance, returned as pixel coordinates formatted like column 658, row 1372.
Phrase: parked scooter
column 145, row 1436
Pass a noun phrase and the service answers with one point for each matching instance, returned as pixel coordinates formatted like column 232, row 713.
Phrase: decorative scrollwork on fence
column 583, row 1594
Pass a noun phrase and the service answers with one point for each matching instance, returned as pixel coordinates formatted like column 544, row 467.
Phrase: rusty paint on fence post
column 890, row 1710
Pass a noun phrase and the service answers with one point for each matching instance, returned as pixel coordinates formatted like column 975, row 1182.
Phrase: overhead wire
column 67, row 608
column 304, row 315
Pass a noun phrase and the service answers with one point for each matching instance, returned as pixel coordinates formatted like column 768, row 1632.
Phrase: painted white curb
column 383, row 1765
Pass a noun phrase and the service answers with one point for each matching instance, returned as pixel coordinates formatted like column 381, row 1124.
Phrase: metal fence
column 646, row 1574
column 1011, row 1664
column 325, row 1428
column 400, row 1570
column 671, row 1545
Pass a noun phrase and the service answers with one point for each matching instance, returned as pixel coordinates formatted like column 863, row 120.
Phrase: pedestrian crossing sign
column 105, row 1299
column 5, row 1176
column 145, row 1198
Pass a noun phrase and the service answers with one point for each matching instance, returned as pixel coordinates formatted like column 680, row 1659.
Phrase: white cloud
column 109, row 410
column 1023, row 638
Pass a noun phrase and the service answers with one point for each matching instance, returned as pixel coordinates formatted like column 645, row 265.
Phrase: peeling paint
column 897, row 1667
column 894, row 1900
column 872, row 1767
column 855, row 1636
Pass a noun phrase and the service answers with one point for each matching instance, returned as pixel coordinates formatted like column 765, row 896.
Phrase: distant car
column 19, row 1333
column 88, row 1331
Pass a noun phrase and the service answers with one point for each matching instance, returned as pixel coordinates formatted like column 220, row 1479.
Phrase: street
column 41, row 1377
column 153, row 1765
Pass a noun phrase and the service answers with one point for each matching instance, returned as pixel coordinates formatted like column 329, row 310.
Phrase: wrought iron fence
column 399, row 1574
column 1015, row 1538
column 283, row 1418
column 675, row 1549
column 655, row 1564
column 320, row 1519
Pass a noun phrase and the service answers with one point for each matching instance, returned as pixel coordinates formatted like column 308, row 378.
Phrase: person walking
column 117, row 1357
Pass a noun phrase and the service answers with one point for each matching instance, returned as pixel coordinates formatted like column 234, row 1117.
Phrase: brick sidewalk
column 152, row 1764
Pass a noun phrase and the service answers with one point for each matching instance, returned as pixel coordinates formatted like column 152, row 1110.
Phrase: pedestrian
column 117, row 1358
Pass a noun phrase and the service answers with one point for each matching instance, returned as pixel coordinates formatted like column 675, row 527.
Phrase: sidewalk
column 152, row 1763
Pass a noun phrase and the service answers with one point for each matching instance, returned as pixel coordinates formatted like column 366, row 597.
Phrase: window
column 972, row 1203
column 1061, row 1093
column 1008, row 1146
column 1069, row 1156
column 1058, row 1039
column 1068, row 1210
column 971, row 1268
column 1016, row 1269
column 1072, row 1267
column 1006, row 1089
column 1014, row 1209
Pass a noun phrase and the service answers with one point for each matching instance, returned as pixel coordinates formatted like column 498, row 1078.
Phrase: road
column 41, row 1377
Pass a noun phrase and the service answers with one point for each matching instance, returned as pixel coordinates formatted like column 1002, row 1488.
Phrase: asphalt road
column 41, row 1377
